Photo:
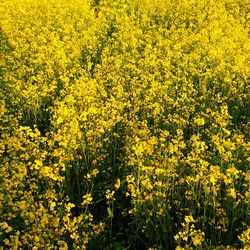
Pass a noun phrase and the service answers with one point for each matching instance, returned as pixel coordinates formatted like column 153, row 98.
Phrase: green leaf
column 110, row 213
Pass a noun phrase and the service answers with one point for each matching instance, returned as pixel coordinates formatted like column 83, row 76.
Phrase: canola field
column 124, row 124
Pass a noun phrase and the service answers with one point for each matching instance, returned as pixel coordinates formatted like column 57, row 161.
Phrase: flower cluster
column 124, row 124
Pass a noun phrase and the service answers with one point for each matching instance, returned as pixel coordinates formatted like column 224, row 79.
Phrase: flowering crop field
column 124, row 124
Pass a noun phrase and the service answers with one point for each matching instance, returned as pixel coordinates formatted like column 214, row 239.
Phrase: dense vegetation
column 124, row 124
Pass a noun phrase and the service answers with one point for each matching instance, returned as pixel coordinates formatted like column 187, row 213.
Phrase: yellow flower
column 189, row 219
column 199, row 121
column 117, row 184
column 197, row 240
column 87, row 199
column 232, row 193
column 110, row 194
column 52, row 206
